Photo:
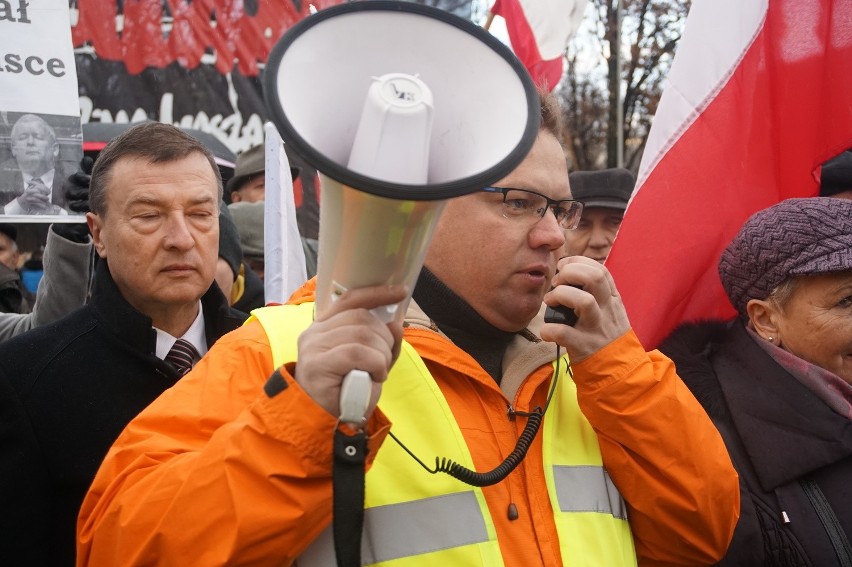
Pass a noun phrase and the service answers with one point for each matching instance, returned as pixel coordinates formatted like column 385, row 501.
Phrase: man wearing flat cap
column 604, row 195
column 249, row 181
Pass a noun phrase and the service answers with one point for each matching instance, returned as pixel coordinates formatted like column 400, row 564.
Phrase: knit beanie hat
column 229, row 241
column 795, row 237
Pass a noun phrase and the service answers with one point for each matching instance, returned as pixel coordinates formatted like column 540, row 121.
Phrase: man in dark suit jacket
column 67, row 389
column 31, row 184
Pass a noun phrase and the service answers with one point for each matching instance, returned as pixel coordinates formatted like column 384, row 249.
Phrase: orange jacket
column 216, row 472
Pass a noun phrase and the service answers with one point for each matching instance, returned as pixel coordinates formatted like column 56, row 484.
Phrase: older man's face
column 595, row 234
column 160, row 232
column 251, row 191
column 34, row 147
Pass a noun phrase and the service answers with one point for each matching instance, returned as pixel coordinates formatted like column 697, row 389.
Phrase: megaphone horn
column 485, row 104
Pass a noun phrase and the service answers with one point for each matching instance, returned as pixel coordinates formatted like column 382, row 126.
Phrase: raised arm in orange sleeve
column 662, row 451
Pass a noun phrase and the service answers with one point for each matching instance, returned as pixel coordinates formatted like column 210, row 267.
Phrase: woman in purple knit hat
column 777, row 381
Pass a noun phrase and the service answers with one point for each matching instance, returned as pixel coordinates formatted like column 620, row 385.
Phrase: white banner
column 40, row 136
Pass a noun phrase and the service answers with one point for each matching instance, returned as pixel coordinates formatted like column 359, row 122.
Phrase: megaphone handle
column 355, row 397
column 347, row 474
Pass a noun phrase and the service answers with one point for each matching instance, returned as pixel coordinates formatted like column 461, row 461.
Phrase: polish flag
column 539, row 31
column 759, row 95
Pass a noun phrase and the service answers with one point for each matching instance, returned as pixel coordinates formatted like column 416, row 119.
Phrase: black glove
column 76, row 189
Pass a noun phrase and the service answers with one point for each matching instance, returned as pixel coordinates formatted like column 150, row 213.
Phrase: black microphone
column 561, row 313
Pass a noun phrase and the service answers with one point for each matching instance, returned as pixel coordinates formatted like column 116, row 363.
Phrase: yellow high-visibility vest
column 414, row 518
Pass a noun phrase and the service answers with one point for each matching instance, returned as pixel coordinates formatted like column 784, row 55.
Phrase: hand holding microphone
column 587, row 287
column 348, row 336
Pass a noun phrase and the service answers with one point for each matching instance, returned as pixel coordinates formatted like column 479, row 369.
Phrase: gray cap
column 610, row 188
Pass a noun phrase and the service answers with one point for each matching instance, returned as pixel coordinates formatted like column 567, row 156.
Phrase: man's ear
column 55, row 150
column 95, row 223
column 764, row 316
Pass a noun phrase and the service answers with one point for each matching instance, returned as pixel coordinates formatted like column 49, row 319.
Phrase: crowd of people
column 147, row 419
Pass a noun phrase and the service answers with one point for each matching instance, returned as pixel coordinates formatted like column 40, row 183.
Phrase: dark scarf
column 462, row 324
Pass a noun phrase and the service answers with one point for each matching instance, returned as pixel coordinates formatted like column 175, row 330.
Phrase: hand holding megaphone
column 346, row 336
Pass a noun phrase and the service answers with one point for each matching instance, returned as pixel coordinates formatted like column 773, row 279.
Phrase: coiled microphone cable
column 473, row 478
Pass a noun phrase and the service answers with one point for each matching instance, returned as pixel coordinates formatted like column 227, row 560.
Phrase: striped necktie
column 182, row 356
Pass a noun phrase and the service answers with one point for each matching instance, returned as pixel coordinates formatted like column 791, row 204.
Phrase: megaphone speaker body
column 368, row 240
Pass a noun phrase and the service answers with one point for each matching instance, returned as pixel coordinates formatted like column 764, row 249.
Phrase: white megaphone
column 399, row 107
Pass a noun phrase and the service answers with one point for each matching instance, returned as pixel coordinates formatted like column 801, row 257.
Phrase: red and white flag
column 759, row 95
column 539, row 31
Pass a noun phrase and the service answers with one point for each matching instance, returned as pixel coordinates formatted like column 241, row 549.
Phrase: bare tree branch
column 650, row 33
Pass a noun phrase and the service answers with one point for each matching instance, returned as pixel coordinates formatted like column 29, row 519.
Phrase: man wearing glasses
column 609, row 462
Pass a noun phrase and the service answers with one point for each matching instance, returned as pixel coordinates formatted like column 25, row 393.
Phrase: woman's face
column 816, row 322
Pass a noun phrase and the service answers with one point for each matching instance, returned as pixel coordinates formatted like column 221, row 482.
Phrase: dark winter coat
column 67, row 390
column 778, row 434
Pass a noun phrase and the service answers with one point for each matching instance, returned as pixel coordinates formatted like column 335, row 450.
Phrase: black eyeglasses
column 522, row 203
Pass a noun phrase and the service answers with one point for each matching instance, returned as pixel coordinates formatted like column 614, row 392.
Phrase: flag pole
column 619, row 64
column 488, row 20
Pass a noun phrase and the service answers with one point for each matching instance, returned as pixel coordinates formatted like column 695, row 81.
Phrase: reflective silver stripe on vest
column 587, row 489
column 411, row 528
